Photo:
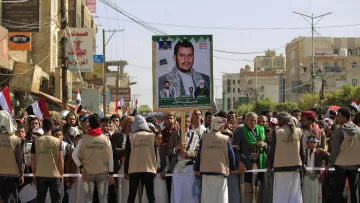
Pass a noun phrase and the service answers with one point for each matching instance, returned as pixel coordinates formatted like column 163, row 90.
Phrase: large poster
column 79, row 49
column 182, row 72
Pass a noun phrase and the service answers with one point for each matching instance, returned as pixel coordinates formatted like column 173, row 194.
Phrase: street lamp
column 321, row 72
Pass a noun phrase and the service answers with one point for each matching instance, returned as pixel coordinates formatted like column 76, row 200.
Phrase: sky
column 218, row 18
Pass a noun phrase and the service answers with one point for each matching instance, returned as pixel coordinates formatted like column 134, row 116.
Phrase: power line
column 133, row 18
column 233, row 28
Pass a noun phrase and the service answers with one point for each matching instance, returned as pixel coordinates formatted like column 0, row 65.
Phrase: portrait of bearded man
column 202, row 90
column 183, row 75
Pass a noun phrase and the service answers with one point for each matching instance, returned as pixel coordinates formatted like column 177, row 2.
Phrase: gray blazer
column 175, row 140
column 163, row 93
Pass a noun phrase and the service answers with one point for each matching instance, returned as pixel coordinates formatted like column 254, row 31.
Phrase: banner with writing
column 79, row 49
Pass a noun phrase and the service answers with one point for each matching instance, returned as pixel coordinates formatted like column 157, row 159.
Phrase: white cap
column 37, row 132
column 217, row 123
column 74, row 131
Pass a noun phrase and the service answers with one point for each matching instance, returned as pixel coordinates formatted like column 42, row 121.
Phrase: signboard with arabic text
column 79, row 49
column 21, row 16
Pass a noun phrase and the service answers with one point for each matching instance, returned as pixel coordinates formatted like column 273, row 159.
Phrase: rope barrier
column 177, row 174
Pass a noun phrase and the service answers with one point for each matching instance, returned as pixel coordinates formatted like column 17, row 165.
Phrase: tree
column 307, row 101
column 245, row 108
column 286, row 106
column 263, row 104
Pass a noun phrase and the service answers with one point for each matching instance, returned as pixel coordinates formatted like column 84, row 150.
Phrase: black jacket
column 118, row 149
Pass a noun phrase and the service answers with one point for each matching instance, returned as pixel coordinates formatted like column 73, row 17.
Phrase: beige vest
column 287, row 150
column 142, row 157
column 214, row 153
column 47, row 156
column 349, row 151
column 7, row 154
column 94, row 154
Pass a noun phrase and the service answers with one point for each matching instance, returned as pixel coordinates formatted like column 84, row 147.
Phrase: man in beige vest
column 345, row 151
column 215, row 160
column 286, row 159
column 47, row 163
column 140, row 159
column 94, row 157
column 11, row 172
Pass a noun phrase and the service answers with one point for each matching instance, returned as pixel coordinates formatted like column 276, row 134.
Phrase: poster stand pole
column 183, row 133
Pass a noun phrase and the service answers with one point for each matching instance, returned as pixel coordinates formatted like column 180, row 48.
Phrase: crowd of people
column 271, row 157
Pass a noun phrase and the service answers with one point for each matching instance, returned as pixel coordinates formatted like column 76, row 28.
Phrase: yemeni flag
column 354, row 105
column 5, row 100
column 117, row 105
column 78, row 100
column 39, row 109
column 136, row 104
column 126, row 110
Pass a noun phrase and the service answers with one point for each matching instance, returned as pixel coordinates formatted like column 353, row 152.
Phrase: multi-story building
column 335, row 60
column 231, row 90
column 270, row 62
column 259, row 85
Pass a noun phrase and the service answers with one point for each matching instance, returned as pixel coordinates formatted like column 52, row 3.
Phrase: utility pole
column 312, row 89
column 104, row 53
column 64, row 61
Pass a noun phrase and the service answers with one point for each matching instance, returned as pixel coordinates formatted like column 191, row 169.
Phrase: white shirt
column 76, row 155
column 167, row 93
column 187, row 82
column 187, row 139
column 310, row 159
column 158, row 160
column 124, row 140
column 200, row 130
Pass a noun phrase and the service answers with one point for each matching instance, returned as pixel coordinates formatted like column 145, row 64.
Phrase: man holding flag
column 251, row 140
column 78, row 100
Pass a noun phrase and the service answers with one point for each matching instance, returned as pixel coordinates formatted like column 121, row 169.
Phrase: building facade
column 270, row 62
column 231, row 90
column 335, row 61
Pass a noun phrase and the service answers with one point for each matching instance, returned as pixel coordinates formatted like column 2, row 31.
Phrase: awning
column 59, row 102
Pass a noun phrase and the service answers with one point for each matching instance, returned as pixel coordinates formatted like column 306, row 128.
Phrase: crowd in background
column 96, row 148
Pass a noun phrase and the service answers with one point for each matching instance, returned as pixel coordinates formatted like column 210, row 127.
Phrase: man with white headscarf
column 214, row 161
column 202, row 90
column 11, row 172
column 286, row 159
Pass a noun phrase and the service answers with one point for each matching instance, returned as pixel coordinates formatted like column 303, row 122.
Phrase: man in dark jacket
column 345, row 150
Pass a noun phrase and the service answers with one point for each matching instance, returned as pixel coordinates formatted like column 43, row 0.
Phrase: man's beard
column 166, row 87
column 184, row 71
column 202, row 86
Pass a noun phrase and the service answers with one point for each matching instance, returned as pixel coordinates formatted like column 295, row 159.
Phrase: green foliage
column 243, row 109
column 342, row 97
column 307, row 101
column 263, row 104
column 286, row 106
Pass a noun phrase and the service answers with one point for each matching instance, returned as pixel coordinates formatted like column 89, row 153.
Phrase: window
column 238, row 90
column 336, row 51
column 278, row 62
column 266, row 62
column 238, row 81
column 233, row 82
column 228, row 103
column 354, row 66
column 234, row 90
column 354, row 82
column 228, row 86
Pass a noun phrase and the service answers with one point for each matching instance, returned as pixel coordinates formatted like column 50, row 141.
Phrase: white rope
column 178, row 174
